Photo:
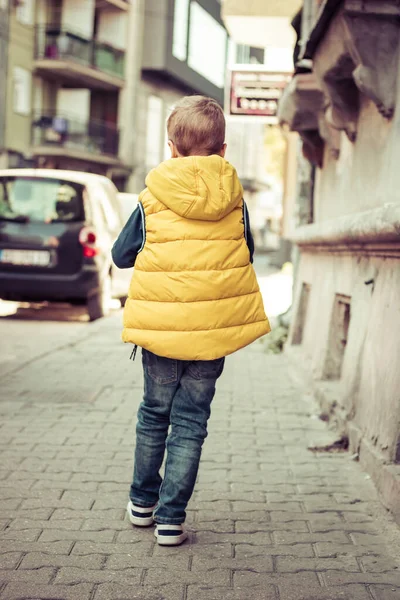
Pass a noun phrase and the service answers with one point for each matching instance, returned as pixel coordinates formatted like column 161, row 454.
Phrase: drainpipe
column 4, row 49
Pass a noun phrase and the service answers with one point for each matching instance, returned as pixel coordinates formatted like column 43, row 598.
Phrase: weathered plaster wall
column 363, row 177
column 350, row 254
column 369, row 388
column 346, row 247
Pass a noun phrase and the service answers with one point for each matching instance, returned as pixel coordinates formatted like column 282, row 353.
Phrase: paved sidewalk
column 269, row 519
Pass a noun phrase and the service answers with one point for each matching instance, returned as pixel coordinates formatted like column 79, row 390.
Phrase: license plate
column 28, row 258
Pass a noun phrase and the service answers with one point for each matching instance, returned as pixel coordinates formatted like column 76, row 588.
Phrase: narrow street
column 269, row 520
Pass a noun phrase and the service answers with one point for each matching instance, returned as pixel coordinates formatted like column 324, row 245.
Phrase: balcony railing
column 55, row 43
column 109, row 59
column 53, row 129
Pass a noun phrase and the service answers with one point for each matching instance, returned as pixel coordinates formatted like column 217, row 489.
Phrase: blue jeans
column 177, row 396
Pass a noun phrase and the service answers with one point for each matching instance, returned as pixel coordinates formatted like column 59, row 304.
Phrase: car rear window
column 45, row 200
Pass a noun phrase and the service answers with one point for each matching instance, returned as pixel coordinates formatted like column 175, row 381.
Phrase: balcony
column 55, row 134
column 64, row 54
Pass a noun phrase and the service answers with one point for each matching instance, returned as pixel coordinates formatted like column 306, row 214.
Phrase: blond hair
column 197, row 126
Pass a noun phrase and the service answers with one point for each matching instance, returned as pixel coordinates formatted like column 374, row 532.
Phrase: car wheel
column 98, row 305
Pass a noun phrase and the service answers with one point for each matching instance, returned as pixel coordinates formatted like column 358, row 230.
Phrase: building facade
column 341, row 116
column 90, row 83
column 66, row 73
column 176, row 62
column 344, row 102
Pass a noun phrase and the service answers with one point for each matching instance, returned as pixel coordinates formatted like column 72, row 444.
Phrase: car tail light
column 88, row 239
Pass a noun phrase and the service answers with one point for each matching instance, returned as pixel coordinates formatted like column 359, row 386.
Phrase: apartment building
column 66, row 72
column 91, row 82
column 185, row 49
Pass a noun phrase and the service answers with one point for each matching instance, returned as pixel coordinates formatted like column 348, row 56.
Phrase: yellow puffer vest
column 194, row 294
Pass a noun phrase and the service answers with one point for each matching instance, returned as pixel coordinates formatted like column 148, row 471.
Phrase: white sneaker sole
column 170, row 540
column 139, row 521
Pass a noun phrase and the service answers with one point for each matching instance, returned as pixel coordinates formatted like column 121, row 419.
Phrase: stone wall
column 368, row 383
column 346, row 327
column 364, row 175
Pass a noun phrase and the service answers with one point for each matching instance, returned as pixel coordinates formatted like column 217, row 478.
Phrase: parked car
column 57, row 229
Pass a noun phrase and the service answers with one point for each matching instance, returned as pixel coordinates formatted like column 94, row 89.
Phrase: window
column 155, row 125
column 243, row 54
column 301, row 316
column 78, row 14
column 337, row 337
column 25, row 199
column 112, row 28
column 108, row 211
column 166, row 153
column 207, row 46
column 22, row 89
column 305, row 190
column 25, row 12
column 181, row 19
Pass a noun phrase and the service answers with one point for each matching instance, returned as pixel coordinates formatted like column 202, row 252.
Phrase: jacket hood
column 206, row 188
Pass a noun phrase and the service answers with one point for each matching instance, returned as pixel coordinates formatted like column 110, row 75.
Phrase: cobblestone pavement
column 269, row 519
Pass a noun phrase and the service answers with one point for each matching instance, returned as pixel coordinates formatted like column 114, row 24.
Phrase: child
column 193, row 300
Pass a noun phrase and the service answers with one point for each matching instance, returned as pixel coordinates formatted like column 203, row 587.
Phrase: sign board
column 252, row 91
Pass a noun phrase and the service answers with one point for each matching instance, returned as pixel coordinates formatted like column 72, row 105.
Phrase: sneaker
column 170, row 535
column 139, row 515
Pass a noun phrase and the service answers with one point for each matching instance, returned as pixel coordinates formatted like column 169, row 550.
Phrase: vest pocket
column 163, row 371
column 206, row 369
